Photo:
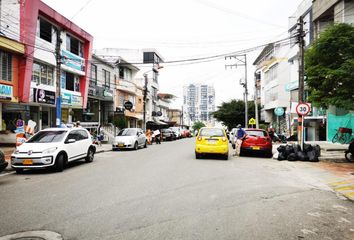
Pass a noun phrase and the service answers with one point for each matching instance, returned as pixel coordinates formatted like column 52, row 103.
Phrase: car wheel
column 90, row 155
column 19, row 170
column 269, row 154
column 145, row 145
column 136, row 146
column 60, row 163
column 226, row 156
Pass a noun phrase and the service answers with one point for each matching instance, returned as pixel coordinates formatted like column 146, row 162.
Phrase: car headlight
column 50, row 150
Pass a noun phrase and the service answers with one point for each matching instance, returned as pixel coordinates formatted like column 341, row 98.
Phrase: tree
column 198, row 125
column 329, row 67
column 233, row 113
column 120, row 121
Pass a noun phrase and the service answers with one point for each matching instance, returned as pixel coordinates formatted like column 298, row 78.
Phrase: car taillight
column 199, row 138
column 224, row 139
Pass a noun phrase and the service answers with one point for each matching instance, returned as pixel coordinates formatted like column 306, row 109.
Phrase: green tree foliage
column 198, row 125
column 233, row 113
column 120, row 122
column 329, row 66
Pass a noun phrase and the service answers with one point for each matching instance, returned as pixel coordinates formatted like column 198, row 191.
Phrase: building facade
column 46, row 34
column 199, row 103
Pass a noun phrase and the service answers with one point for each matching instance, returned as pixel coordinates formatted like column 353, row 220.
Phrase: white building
column 198, row 104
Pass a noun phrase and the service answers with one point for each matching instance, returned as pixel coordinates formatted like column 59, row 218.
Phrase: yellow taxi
column 211, row 140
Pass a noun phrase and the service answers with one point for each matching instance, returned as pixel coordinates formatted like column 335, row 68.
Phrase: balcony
column 127, row 86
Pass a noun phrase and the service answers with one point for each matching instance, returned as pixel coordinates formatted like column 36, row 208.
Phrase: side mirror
column 71, row 140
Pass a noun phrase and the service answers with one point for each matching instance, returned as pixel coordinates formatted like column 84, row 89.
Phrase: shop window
column 6, row 66
column 45, row 30
column 106, row 78
column 72, row 82
column 74, row 46
column 42, row 74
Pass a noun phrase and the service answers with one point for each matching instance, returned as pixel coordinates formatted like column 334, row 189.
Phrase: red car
column 257, row 140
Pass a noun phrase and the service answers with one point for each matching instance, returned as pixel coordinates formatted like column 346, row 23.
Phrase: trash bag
column 312, row 156
column 301, row 156
column 281, row 148
column 307, row 148
column 281, row 156
column 317, row 149
column 288, row 150
column 297, row 148
column 292, row 157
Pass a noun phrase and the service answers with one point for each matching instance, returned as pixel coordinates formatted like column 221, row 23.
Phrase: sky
column 186, row 29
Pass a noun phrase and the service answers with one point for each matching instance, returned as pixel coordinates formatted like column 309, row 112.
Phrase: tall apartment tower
column 198, row 104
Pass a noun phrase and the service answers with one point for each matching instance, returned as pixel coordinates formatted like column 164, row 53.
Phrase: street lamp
column 156, row 70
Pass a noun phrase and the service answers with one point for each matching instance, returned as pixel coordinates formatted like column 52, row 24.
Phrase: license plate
column 27, row 162
column 256, row 148
column 121, row 145
column 211, row 141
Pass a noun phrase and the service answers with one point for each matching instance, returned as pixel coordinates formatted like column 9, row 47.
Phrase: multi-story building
column 272, row 71
column 100, row 104
column 46, row 34
column 149, row 63
column 325, row 13
column 199, row 103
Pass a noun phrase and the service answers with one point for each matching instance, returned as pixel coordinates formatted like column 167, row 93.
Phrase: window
column 47, row 137
column 6, row 66
column 72, row 82
column 74, row 46
column 131, row 98
column 121, row 100
column 42, row 74
column 45, row 30
column 93, row 74
column 83, row 134
column 271, row 74
column 107, row 78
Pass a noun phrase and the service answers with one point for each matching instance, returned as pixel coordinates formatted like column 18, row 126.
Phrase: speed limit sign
column 303, row 109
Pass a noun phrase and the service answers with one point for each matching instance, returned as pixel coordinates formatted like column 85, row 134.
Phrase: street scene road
column 163, row 192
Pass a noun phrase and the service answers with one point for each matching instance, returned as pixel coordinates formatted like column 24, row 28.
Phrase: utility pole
column 144, row 101
column 255, row 101
column 58, row 79
column 300, row 36
column 241, row 60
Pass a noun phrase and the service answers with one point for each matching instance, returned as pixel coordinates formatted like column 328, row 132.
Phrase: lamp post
column 146, row 91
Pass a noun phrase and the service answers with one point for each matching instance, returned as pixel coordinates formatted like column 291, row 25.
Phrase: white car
column 177, row 131
column 53, row 147
column 130, row 138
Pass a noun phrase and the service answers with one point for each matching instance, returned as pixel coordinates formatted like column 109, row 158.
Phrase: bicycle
column 343, row 135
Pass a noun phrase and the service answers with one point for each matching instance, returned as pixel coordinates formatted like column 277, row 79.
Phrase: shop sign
column 92, row 91
column 279, row 111
column 6, row 92
column 66, row 99
column 128, row 105
column 43, row 96
column 73, row 61
column 76, row 100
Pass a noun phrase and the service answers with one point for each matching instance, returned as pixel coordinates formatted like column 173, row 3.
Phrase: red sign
column 303, row 109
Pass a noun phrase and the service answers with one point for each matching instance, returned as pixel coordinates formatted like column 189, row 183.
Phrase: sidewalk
column 8, row 150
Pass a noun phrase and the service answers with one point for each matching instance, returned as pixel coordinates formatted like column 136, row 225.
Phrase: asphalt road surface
column 163, row 192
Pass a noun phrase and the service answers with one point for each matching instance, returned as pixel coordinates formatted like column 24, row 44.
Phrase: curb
column 344, row 187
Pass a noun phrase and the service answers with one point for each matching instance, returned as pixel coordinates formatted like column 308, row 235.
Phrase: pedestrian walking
column 157, row 136
column 240, row 134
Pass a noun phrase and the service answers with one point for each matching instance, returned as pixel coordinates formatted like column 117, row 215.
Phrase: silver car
column 132, row 138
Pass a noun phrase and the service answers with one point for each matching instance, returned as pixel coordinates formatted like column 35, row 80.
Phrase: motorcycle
column 349, row 153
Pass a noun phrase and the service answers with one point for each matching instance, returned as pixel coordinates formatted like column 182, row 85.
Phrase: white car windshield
column 47, row 137
column 127, row 132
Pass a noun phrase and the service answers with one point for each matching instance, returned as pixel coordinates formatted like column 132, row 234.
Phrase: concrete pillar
column 40, row 118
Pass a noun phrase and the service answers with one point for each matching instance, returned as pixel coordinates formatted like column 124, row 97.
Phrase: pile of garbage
column 293, row 152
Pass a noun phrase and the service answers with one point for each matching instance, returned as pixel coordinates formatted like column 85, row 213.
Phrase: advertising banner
column 72, row 60
column 43, row 96
column 6, row 92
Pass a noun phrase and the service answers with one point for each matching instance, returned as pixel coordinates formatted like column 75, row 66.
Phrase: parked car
column 168, row 135
column 3, row 163
column 132, row 138
column 257, row 141
column 53, row 147
column 176, row 131
column 211, row 141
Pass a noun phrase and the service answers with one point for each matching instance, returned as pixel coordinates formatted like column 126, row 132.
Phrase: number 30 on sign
column 303, row 109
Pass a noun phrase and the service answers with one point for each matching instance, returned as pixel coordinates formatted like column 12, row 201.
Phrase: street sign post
column 252, row 122
column 279, row 111
column 302, row 110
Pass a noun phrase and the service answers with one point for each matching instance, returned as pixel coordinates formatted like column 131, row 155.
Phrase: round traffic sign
column 303, row 109
column 279, row 111
column 128, row 105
